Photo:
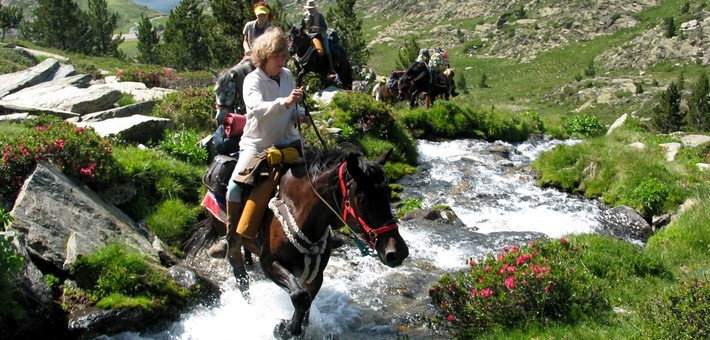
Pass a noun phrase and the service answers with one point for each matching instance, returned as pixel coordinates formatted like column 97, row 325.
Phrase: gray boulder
column 60, row 220
column 13, row 82
column 136, row 128
column 59, row 96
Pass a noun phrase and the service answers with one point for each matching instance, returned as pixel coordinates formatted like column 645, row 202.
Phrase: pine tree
column 667, row 114
column 461, row 83
column 225, row 40
column 102, row 24
column 58, row 24
column 344, row 20
column 10, row 17
column 148, row 41
column 407, row 55
column 186, row 37
column 699, row 104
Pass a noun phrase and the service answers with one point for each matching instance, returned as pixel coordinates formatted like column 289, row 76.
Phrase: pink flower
column 511, row 269
column 450, row 318
column 522, row 258
column 506, row 248
column 547, row 288
column 515, row 248
column 563, row 240
column 473, row 263
column 79, row 130
column 510, row 282
column 474, row 293
column 488, row 268
column 486, row 292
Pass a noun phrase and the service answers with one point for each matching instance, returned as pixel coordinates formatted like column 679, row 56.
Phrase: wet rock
column 625, row 223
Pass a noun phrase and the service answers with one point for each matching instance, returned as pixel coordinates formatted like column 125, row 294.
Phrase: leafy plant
column 681, row 312
column 652, row 194
column 118, row 270
column 185, row 145
column 171, row 221
column 583, row 125
column 534, row 283
column 408, row 205
column 188, row 109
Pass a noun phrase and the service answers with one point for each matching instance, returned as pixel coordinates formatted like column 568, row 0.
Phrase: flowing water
column 162, row 6
column 488, row 185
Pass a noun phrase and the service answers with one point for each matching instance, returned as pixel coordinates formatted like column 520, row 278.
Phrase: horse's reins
column 372, row 233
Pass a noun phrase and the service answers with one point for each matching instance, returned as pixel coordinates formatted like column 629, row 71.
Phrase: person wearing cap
column 271, row 99
column 255, row 28
column 315, row 22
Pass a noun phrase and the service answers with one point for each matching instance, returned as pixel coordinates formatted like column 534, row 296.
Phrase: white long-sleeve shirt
column 269, row 122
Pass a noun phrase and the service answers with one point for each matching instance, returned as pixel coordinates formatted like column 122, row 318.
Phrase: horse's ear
column 353, row 165
column 382, row 159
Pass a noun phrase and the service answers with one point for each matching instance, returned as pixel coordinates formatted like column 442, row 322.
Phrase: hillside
column 537, row 54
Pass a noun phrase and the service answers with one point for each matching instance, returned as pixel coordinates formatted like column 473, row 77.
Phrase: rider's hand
column 295, row 96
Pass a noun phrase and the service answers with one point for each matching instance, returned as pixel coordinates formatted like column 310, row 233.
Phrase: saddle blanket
column 216, row 205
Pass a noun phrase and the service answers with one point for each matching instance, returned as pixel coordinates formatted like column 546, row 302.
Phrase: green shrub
column 651, row 194
column 188, row 109
column 366, row 115
column 126, row 99
column 81, row 154
column 172, row 220
column 12, row 61
column 157, row 176
column 119, row 269
column 185, row 145
column 583, row 125
column 521, row 286
column 681, row 312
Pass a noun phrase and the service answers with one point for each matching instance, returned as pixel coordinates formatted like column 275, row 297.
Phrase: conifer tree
column 186, row 37
column 667, row 114
column 343, row 19
column 699, row 103
column 148, row 41
column 57, row 24
column 226, row 37
column 102, row 24
column 407, row 55
column 10, row 17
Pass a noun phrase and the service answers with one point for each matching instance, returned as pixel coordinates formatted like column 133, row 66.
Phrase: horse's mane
column 222, row 80
column 329, row 159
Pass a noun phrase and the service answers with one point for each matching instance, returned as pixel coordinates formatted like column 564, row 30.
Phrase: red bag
column 234, row 124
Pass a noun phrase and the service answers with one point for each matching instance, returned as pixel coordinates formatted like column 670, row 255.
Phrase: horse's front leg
column 300, row 298
column 236, row 260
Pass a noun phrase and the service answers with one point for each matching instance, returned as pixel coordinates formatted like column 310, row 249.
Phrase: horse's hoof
column 282, row 331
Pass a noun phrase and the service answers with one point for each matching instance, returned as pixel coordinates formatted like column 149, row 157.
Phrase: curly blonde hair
column 272, row 42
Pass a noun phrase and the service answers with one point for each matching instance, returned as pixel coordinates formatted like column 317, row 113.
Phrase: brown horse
column 331, row 188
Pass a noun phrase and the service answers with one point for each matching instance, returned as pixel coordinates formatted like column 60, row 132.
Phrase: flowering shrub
column 79, row 152
column 681, row 313
column 163, row 77
column 538, row 282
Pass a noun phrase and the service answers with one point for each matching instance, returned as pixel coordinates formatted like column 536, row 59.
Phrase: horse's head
column 296, row 38
column 367, row 200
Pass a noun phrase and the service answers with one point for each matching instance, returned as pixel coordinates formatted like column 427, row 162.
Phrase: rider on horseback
column 315, row 23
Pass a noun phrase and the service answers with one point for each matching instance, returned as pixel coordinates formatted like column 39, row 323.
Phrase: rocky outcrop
column 60, row 220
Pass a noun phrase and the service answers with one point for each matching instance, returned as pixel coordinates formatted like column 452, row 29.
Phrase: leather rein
column 348, row 210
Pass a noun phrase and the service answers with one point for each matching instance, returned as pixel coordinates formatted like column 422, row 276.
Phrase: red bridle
column 371, row 233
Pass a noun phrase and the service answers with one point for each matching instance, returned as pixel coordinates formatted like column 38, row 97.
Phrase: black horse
column 424, row 86
column 301, row 48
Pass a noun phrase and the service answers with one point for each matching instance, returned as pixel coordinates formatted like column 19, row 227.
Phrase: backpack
column 219, row 173
column 223, row 144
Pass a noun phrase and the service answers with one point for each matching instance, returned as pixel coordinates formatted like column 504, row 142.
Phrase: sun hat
column 261, row 10
column 310, row 4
